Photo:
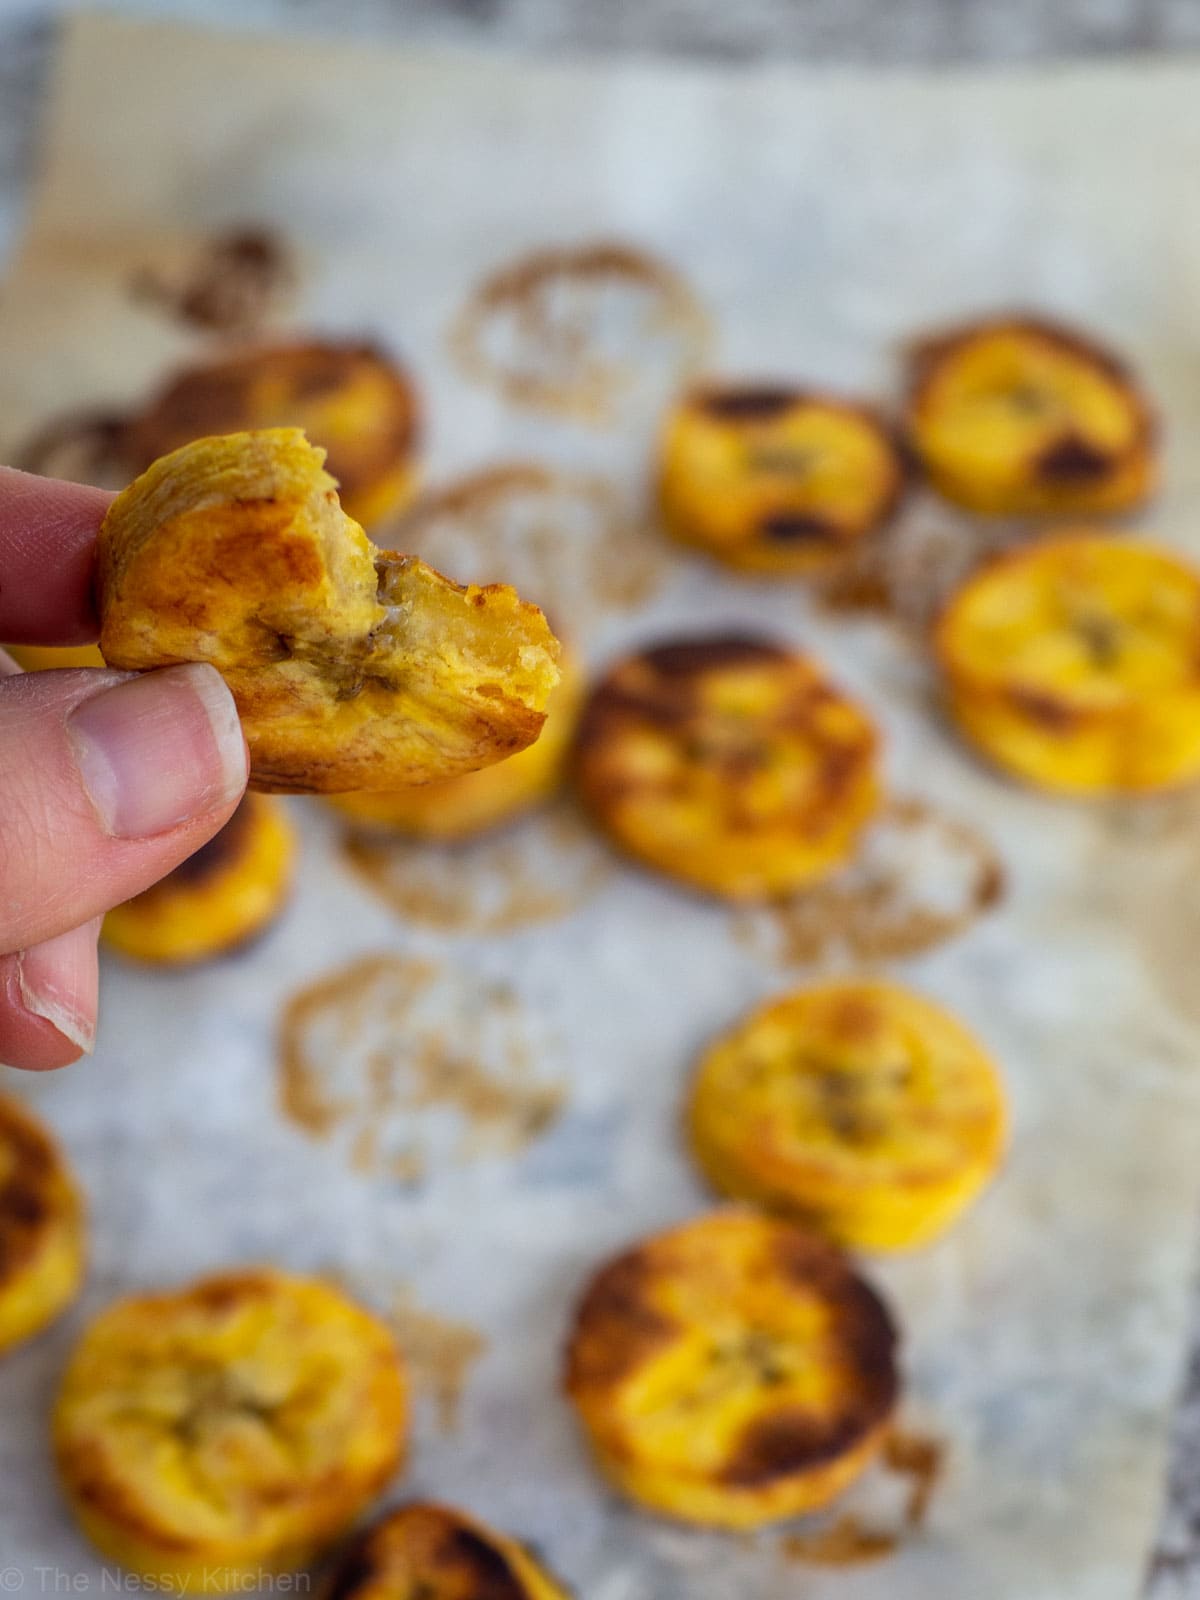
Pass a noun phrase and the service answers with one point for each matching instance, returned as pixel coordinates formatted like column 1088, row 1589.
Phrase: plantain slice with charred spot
column 351, row 399
column 352, row 668
column 729, row 763
column 219, row 898
column 459, row 808
column 434, row 1552
column 772, row 478
column 1019, row 416
column 855, row 1106
column 1074, row 663
column 42, row 1228
column 733, row 1371
column 214, row 1436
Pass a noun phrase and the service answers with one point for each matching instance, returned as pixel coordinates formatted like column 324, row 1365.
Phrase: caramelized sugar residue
column 408, row 1064
column 848, row 1539
column 230, row 284
column 537, row 870
column 576, row 329
column 909, row 570
column 920, row 878
column 86, row 446
column 438, row 1353
column 564, row 539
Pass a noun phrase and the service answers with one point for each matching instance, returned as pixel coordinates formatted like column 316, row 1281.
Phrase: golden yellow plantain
column 42, row 1228
column 732, row 1371
column 854, row 1106
column 213, row 1436
column 729, row 763
column 1074, row 664
column 771, row 478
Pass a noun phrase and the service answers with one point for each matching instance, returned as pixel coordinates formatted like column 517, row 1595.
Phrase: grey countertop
column 910, row 32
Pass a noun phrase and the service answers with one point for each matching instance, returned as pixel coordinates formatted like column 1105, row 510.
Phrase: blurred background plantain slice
column 1021, row 416
column 42, row 1227
column 732, row 1371
column 1074, row 664
column 218, row 899
column 774, row 478
column 855, row 1106
column 352, row 668
column 730, row 764
column 434, row 1552
column 219, row 1434
column 354, row 401
column 460, row 808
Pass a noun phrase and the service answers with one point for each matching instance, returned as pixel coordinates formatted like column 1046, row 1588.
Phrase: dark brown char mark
column 686, row 657
column 221, row 852
column 760, row 403
column 1072, row 460
column 797, row 527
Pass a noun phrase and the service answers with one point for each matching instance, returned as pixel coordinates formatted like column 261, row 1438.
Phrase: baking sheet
column 821, row 218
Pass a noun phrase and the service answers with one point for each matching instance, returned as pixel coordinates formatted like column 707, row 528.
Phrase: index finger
column 48, row 559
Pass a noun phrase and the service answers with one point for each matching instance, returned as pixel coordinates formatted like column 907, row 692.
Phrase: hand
column 108, row 779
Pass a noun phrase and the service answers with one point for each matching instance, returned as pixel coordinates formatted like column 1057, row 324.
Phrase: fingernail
column 57, row 982
column 159, row 749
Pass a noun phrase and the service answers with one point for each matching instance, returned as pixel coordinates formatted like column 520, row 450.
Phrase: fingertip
column 48, row 1001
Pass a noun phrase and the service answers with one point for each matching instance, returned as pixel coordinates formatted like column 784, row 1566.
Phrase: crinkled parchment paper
column 821, row 218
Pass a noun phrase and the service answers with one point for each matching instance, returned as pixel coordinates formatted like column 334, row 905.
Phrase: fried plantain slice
column 216, row 900
column 355, row 402
column 434, row 1552
column 213, row 1436
column 460, row 808
column 730, row 763
column 1074, row 663
column 772, row 478
column 1017, row 416
column 855, row 1106
column 732, row 1371
column 352, row 668
column 42, row 1228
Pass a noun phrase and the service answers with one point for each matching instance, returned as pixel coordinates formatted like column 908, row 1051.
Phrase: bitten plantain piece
column 730, row 763
column 771, row 478
column 460, row 808
column 214, row 1436
column 352, row 668
column 1018, row 416
column 1074, row 663
column 351, row 399
column 855, row 1106
column 733, row 1371
column 42, row 1228
column 433, row 1552
column 216, row 900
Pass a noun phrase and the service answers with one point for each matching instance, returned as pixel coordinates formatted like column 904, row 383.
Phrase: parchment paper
column 822, row 218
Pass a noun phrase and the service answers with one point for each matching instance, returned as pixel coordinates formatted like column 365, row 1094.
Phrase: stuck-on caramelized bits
column 41, row 1228
column 352, row 667
column 216, row 900
column 855, row 1106
column 434, row 1552
column 729, row 763
column 351, row 399
column 459, row 808
column 772, row 478
column 1075, row 664
column 1016, row 416
column 733, row 1371
column 212, row 1437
